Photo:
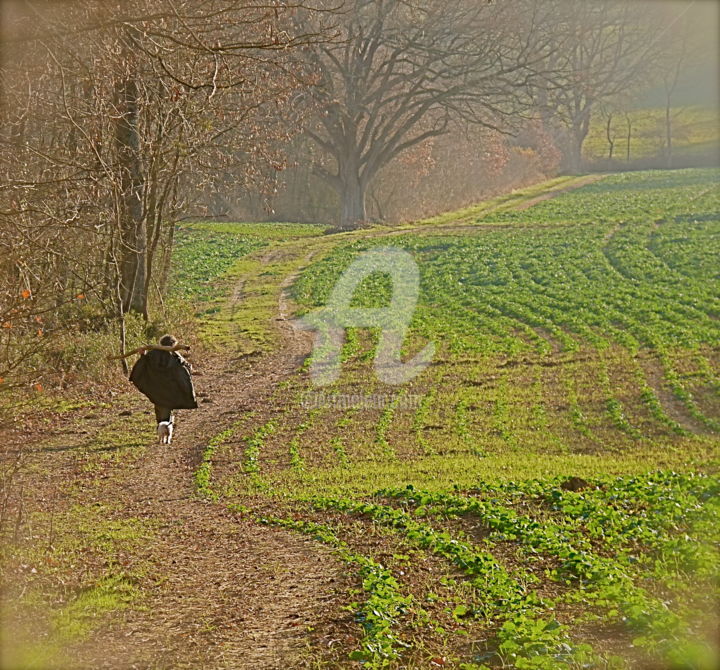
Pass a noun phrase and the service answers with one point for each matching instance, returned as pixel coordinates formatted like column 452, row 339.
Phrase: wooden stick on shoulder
column 148, row 347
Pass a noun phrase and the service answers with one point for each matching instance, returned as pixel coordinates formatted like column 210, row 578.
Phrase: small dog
column 165, row 432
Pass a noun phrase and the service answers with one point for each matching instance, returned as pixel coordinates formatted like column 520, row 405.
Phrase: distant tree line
column 526, row 75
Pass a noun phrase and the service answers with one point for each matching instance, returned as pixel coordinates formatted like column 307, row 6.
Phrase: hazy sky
column 699, row 82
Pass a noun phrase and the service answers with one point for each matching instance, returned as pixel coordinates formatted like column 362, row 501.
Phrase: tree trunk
column 608, row 134
column 668, row 135
column 574, row 158
column 352, row 196
column 167, row 259
column 578, row 133
column 133, row 236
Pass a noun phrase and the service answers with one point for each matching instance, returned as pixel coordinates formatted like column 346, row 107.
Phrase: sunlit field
column 360, row 335
column 696, row 134
column 545, row 494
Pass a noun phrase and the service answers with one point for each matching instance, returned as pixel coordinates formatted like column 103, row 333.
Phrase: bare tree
column 116, row 118
column 607, row 48
column 678, row 55
column 402, row 72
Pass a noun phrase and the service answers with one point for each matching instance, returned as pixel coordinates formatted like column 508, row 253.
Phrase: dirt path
column 228, row 592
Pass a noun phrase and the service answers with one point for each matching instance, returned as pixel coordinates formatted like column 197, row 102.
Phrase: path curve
column 228, row 592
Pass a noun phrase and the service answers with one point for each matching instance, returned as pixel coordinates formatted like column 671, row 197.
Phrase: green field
column 205, row 251
column 574, row 339
column 209, row 261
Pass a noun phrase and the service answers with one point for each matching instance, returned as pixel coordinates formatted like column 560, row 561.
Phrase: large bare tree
column 402, row 72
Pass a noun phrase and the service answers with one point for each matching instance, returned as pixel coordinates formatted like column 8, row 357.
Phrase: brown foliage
column 116, row 118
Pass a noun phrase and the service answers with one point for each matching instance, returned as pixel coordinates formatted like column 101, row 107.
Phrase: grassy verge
column 508, row 201
column 65, row 588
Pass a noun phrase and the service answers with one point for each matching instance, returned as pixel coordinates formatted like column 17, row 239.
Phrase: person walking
column 165, row 378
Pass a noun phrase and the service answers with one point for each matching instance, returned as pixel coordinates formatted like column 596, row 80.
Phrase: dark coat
column 164, row 377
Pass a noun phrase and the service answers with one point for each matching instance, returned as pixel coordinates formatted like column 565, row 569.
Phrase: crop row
column 528, row 636
column 627, row 197
column 561, row 289
column 385, row 604
column 604, row 581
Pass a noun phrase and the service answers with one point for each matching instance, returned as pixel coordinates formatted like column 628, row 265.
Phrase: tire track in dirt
column 462, row 227
column 674, row 407
column 554, row 193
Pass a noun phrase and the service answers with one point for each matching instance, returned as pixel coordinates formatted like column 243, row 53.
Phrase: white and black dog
column 165, row 432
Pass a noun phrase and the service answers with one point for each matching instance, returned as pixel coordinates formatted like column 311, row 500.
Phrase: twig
column 147, row 347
